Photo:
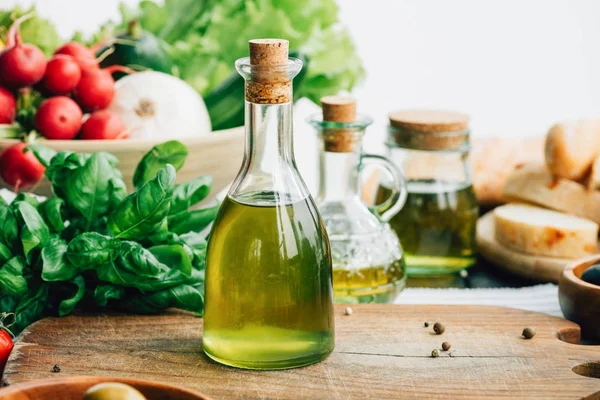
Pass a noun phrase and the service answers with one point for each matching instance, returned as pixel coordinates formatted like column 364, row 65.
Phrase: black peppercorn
column 528, row 333
column 439, row 328
column 426, row 324
column 56, row 368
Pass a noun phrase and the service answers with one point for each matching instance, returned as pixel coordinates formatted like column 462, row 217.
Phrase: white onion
column 154, row 105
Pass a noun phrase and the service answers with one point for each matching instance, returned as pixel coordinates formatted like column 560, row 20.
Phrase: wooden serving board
column 537, row 268
column 382, row 352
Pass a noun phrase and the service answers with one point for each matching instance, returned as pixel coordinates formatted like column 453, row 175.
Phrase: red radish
column 58, row 118
column 8, row 107
column 62, row 74
column 20, row 168
column 103, row 125
column 83, row 56
column 96, row 88
column 21, row 64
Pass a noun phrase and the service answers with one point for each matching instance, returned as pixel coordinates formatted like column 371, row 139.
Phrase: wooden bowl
column 218, row 155
column 73, row 388
column 579, row 300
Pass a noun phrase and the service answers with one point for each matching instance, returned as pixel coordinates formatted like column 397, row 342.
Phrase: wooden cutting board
column 537, row 268
column 382, row 352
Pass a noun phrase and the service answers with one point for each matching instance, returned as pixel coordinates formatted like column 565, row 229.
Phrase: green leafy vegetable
column 199, row 37
column 71, row 251
column 35, row 30
column 195, row 221
column 51, row 212
column 189, row 194
column 34, row 231
column 12, row 281
column 144, row 211
column 67, row 306
column 172, row 152
column 55, row 266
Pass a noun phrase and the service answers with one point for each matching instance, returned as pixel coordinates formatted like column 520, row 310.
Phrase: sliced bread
column 534, row 230
column 533, row 183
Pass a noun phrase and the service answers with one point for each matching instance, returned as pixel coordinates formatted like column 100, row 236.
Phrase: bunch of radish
column 73, row 85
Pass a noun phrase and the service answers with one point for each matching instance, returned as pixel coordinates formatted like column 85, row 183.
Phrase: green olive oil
column 436, row 226
column 374, row 284
column 268, row 277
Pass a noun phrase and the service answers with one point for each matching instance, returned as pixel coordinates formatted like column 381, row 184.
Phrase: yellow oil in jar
column 374, row 284
column 268, row 284
column 436, row 226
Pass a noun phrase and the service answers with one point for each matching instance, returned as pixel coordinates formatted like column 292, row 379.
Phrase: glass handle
column 394, row 203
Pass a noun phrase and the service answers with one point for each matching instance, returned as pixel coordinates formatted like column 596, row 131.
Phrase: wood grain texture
column 538, row 268
column 382, row 352
column 74, row 388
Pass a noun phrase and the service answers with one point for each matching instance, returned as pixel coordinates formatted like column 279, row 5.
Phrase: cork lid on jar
column 341, row 132
column 429, row 129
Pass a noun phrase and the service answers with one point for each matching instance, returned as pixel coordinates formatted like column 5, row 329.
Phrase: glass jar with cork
column 269, row 295
column 368, row 263
column 437, row 224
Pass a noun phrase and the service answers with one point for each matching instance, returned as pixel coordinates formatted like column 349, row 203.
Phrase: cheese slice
column 534, row 230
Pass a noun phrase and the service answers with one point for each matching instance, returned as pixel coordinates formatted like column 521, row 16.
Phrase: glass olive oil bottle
column 269, row 295
column 368, row 262
column 437, row 224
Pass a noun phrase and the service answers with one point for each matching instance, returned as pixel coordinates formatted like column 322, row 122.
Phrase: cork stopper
column 429, row 129
column 270, row 81
column 340, row 109
column 269, row 51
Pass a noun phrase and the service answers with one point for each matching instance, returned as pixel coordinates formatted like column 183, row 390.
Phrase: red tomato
column 6, row 346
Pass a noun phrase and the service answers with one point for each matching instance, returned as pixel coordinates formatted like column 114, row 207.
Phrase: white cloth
column 540, row 298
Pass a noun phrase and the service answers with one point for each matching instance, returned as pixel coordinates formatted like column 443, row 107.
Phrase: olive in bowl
column 579, row 295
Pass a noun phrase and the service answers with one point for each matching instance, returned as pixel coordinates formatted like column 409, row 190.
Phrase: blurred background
column 516, row 67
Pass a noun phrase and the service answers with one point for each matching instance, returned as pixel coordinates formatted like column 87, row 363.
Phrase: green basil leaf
column 27, row 198
column 5, row 254
column 42, row 153
column 55, row 266
column 90, row 250
column 144, row 211
column 172, row 152
column 12, row 282
column 90, row 189
column 137, row 267
column 184, row 296
column 105, row 292
column 51, row 211
column 190, row 193
column 173, row 256
column 30, row 308
column 90, row 185
column 9, row 234
column 34, row 232
column 67, row 306
column 8, row 303
column 192, row 221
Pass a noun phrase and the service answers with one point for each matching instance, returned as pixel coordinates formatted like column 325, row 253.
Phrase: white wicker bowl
column 218, row 155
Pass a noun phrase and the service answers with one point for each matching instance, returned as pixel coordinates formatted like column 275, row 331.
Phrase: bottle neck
column 269, row 164
column 339, row 174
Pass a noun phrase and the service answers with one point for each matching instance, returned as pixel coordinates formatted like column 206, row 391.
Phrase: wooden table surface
column 382, row 352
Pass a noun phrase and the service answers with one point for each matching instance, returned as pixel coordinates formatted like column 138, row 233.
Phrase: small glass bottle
column 368, row 264
column 437, row 224
column 269, row 295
